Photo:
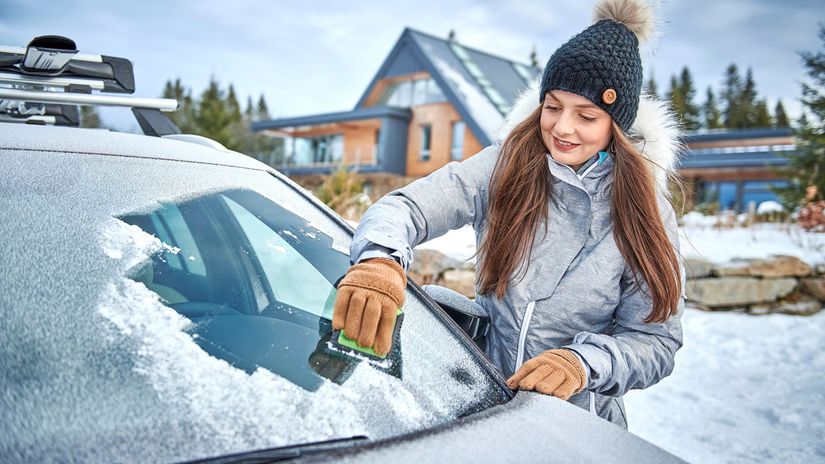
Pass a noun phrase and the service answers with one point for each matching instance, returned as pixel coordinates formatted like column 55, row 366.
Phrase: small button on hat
column 609, row 96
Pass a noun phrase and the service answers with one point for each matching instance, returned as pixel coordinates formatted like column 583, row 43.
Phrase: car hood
column 530, row 428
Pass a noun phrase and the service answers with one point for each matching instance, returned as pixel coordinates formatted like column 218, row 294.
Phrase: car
column 167, row 300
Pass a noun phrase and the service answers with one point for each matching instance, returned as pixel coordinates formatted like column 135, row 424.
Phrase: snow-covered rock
column 696, row 268
column 814, row 287
column 737, row 291
column 769, row 207
column 737, row 267
column 779, row 266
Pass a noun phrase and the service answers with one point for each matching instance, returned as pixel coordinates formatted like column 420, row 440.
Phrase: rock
column 803, row 305
column 761, row 309
column 738, row 267
column 429, row 264
column 820, row 269
column 421, row 279
column 737, row 291
column 814, row 286
column 696, row 268
column 780, row 266
column 460, row 280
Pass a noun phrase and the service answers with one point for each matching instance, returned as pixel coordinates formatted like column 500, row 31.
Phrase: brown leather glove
column 367, row 300
column 554, row 372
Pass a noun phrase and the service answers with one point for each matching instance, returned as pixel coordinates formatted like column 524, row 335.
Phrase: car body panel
column 61, row 186
column 531, row 428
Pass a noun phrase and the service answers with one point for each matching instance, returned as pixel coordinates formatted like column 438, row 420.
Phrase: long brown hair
column 519, row 195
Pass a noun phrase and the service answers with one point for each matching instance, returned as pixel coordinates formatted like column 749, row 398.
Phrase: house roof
column 735, row 157
column 326, row 118
column 480, row 86
column 715, row 135
column 748, row 154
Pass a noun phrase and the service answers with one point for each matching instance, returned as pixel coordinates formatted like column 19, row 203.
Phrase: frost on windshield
column 238, row 409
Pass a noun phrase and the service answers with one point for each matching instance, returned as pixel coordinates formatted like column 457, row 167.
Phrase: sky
column 315, row 57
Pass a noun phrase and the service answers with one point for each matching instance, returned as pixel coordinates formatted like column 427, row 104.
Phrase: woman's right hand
column 367, row 301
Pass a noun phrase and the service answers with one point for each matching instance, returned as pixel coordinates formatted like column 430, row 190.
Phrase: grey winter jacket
column 577, row 293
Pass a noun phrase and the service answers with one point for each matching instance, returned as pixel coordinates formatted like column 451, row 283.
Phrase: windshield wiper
column 283, row 453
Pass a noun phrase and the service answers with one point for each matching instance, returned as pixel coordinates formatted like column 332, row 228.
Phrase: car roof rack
column 46, row 81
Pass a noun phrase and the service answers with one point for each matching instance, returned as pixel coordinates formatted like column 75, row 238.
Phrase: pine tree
column 762, row 116
column 534, row 57
column 710, row 111
column 780, row 117
column 650, row 87
column 184, row 116
column 249, row 111
column 731, row 92
column 674, row 95
column 748, row 100
column 262, row 112
column 232, row 103
column 802, row 121
column 213, row 117
column 806, row 167
column 90, row 117
column 690, row 114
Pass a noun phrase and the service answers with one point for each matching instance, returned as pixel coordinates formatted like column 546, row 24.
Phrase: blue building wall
column 392, row 145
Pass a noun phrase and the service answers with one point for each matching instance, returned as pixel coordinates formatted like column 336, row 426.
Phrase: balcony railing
column 279, row 161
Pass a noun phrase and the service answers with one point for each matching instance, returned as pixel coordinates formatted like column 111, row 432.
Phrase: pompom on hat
column 602, row 63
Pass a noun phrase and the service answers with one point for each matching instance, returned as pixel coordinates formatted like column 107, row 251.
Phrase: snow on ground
column 459, row 244
column 758, row 241
column 744, row 389
column 705, row 241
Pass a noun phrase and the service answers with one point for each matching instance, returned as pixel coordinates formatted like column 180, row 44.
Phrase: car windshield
column 166, row 311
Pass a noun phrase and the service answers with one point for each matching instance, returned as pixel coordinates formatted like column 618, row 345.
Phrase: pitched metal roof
column 735, row 158
column 480, row 86
column 746, row 155
column 715, row 135
column 326, row 118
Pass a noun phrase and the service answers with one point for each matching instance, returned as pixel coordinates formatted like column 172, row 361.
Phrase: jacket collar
column 594, row 180
column 656, row 127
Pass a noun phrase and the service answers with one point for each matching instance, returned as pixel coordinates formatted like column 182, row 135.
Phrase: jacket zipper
column 522, row 336
column 522, row 340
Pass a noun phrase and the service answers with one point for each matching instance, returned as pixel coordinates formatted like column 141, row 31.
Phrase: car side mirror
column 469, row 315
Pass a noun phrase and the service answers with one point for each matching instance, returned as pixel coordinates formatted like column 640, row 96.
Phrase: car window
column 148, row 317
column 292, row 279
column 261, row 261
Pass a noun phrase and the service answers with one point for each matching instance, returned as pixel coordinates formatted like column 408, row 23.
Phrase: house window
column 457, row 146
column 723, row 194
column 412, row 93
column 325, row 149
column 426, row 139
column 760, row 191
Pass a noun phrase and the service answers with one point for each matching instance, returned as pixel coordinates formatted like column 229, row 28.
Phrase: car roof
column 105, row 142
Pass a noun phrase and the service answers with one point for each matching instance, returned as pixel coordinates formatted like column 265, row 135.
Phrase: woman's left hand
column 554, row 372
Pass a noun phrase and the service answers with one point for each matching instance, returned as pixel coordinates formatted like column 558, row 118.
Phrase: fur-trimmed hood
column 656, row 126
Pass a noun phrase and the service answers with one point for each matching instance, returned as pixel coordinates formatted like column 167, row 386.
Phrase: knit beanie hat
column 602, row 63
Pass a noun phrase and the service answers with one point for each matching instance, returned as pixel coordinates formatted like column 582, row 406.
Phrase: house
column 435, row 100
column 432, row 101
column 729, row 169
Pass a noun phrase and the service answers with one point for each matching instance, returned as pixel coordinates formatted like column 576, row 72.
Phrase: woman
column 578, row 263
